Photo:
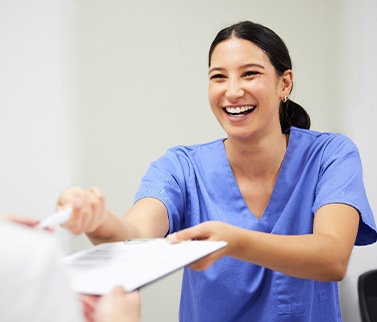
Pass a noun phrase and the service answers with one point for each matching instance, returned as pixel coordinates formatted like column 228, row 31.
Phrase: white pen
column 56, row 218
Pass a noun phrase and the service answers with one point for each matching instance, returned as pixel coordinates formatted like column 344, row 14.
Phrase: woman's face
column 244, row 89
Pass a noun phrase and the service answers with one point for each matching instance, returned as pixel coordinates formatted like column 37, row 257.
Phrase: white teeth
column 237, row 110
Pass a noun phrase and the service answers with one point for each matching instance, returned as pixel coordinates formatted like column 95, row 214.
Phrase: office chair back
column 367, row 290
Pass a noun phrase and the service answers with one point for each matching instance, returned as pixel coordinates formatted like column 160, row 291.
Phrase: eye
column 250, row 74
column 216, row 76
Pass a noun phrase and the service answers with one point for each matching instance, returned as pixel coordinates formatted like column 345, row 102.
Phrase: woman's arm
column 146, row 218
column 322, row 256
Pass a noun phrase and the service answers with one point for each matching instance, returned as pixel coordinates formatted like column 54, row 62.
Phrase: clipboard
column 132, row 264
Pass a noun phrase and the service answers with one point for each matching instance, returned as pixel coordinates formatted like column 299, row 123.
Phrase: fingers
column 185, row 234
column 75, row 198
column 97, row 202
column 26, row 221
column 118, row 306
column 131, row 300
column 210, row 230
column 88, row 209
column 66, row 197
column 89, row 303
column 199, row 232
column 206, row 261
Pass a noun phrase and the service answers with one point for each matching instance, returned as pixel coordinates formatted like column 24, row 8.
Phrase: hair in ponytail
column 291, row 113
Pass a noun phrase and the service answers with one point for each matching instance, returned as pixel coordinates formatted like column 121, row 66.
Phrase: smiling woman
column 279, row 194
column 271, row 45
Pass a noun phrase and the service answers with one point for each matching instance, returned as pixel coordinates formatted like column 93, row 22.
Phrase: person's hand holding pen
column 88, row 209
column 78, row 210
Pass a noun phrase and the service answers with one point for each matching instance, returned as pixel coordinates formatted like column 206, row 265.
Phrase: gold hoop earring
column 285, row 99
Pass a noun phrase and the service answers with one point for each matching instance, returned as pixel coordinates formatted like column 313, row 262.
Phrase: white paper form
column 132, row 264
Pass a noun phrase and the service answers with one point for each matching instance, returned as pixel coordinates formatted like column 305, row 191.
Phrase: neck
column 257, row 159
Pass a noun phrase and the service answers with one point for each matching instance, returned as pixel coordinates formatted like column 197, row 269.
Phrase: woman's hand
column 88, row 209
column 118, row 306
column 209, row 230
column 321, row 256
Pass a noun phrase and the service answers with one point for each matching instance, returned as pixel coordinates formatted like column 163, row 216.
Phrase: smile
column 240, row 110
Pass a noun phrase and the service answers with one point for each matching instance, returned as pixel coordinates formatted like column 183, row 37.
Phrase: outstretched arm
column 322, row 256
column 146, row 218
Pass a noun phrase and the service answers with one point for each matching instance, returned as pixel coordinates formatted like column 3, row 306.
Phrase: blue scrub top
column 196, row 184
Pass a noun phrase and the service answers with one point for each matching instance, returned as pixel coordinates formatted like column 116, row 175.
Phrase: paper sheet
column 132, row 264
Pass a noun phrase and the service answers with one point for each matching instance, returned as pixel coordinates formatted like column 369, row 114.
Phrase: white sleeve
column 34, row 283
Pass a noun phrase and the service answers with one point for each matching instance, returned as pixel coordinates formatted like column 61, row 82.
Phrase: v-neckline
column 237, row 195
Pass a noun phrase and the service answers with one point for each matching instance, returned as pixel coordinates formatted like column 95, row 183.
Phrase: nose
column 234, row 90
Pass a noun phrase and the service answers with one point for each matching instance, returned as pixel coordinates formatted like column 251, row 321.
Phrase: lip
column 241, row 112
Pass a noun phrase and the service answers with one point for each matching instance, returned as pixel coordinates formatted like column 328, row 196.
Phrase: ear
column 286, row 83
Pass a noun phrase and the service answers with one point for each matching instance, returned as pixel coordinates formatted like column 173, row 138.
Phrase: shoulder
column 326, row 141
column 195, row 151
column 213, row 145
column 185, row 157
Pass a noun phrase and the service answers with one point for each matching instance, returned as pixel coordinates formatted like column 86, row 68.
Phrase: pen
column 56, row 218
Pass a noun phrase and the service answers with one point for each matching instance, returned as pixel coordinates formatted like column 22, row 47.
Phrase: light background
column 92, row 91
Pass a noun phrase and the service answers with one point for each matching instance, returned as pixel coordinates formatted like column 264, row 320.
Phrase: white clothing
column 35, row 286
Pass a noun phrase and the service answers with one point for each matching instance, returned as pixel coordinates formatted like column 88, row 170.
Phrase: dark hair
column 291, row 113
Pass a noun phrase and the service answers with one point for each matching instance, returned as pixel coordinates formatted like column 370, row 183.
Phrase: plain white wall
column 92, row 91
column 358, row 82
column 35, row 163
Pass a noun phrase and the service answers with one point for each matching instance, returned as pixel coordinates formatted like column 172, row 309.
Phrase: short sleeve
column 165, row 181
column 341, row 181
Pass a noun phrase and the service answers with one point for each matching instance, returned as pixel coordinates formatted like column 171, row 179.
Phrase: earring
column 285, row 98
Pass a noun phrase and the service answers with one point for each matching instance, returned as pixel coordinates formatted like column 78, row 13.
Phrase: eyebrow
column 242, row 67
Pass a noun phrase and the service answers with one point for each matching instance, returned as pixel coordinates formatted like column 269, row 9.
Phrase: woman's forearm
column 316, row 257
column 147, row 218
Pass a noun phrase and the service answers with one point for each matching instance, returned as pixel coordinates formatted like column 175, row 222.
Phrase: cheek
column 258, row 88
column 213, row 95
column 265, row 92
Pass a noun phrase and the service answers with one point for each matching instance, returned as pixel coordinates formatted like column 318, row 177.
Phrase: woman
column 289, row 201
